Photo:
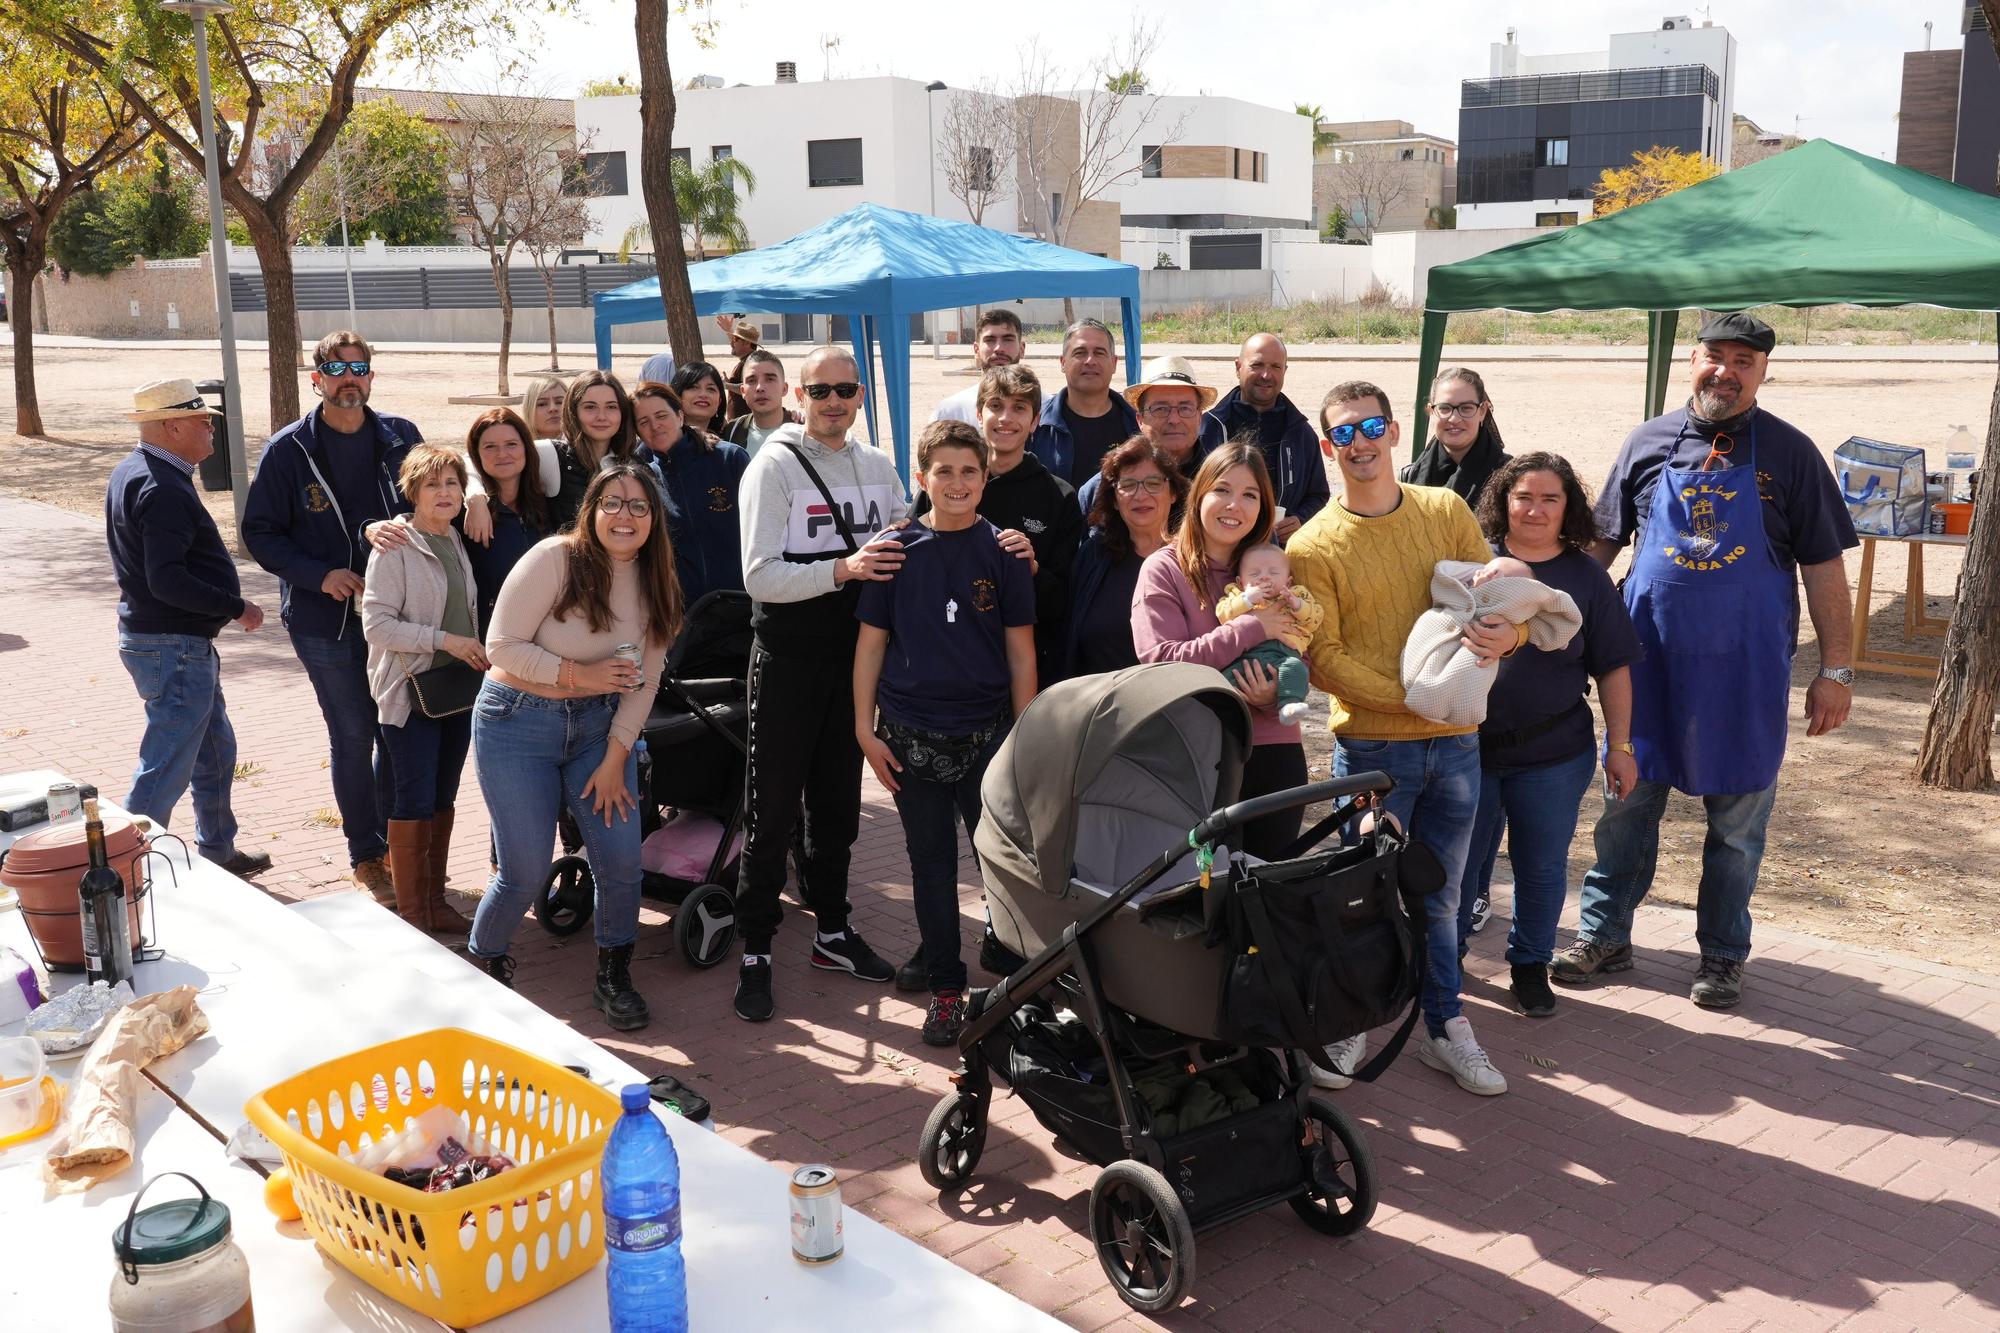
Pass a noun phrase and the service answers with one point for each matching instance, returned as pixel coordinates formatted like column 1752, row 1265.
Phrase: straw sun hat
column 163, row 400
column 1169, row 372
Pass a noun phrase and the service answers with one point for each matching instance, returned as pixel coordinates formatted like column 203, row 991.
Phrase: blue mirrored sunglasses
column 336, row 369
column 1373, row 427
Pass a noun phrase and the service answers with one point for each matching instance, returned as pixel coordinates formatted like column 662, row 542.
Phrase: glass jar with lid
column 178, row 1269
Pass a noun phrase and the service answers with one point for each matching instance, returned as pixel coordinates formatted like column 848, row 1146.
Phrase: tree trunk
column 41, row 301
column 656, row 177
column 21, row 317
column 549, row 286
column 1957, row 753
column 281, row 310
column 501, row 285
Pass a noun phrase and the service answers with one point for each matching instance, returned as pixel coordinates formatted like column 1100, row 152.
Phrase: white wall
column 1403, row 260
column 1284, row 136
column 1517, row 212
column 1306, row 270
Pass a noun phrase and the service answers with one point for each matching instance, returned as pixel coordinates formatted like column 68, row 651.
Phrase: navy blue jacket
column 699, row 482
column 1290, row 444
column 1051, row 442
column 299, row 529
column 174, row 574
column 1086, row 580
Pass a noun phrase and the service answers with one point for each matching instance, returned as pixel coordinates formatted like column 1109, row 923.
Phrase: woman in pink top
column 1173, row 620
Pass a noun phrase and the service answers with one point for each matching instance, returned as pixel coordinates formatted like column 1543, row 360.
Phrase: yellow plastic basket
column 466, row 1255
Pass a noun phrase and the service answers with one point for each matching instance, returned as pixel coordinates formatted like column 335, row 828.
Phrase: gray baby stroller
column 1172, row 987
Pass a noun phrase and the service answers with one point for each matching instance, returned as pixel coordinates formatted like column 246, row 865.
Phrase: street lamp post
column 218, row 253
column 931, row 89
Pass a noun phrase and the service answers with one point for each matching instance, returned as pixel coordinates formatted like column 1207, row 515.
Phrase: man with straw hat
column 744, row 338
column 1168, row 402
column 177, row 588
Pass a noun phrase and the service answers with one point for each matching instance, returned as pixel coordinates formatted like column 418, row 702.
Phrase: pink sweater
column 1170, row 625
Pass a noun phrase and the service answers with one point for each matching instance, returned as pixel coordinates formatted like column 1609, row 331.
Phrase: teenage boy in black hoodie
column 322, row 484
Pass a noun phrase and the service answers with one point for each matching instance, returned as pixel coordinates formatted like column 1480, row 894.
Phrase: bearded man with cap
column 177, row 588
column 1731, row 508
column 1170, row 404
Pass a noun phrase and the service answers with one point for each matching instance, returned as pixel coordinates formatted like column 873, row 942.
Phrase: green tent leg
column 1660, row 326
column 1428, row 355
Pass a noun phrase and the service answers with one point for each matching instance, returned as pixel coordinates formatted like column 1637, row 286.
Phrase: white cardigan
column 402, row 613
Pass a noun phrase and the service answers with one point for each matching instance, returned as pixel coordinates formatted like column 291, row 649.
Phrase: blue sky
column 1835, row 64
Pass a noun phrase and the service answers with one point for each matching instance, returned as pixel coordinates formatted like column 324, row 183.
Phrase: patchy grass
column 324, row 817
column 245, row 770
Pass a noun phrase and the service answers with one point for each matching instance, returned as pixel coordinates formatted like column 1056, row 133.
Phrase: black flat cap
column 1738, row 327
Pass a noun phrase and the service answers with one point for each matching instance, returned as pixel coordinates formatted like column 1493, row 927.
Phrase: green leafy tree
column 161, row 212
column 1334, row 227
column 1126, row 82
column 85, row 240
column 393, row 169
column 710, row 207
column 1321, row 138
column 622, row 86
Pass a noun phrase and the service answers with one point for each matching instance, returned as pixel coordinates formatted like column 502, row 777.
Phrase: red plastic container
column 46, row 866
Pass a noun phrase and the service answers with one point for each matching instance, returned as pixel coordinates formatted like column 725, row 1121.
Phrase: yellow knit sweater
column 1372, row 576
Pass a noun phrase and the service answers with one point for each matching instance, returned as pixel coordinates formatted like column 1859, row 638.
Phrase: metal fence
column 437, row 288
column 1591, row 86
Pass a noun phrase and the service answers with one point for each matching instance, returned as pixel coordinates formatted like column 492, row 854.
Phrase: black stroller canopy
column 1100, row 761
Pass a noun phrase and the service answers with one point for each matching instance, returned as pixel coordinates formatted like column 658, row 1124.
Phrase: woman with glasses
column 1137, row 487
column 561, row 711
column 703, row 397
column 699, row 477
column 1174, row 620
column 1464, row 448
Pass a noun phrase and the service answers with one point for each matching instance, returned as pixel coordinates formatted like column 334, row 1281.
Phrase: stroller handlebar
column 1292, row 798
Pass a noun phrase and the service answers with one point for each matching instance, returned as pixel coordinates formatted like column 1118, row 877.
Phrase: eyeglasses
column 818, row 392
column 614, row 505
column 1185, row 411
column 1464, row 411
column 1373, row 427
column 336, row 369
column 1131, row 486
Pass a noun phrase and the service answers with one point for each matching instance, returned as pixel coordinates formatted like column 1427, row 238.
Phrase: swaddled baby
column 1442, row 679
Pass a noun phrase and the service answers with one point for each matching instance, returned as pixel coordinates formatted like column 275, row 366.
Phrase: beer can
column 65, row 801
column 630, row 652
column 817, row 1230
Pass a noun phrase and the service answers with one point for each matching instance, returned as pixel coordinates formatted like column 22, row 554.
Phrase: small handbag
column 445, row 691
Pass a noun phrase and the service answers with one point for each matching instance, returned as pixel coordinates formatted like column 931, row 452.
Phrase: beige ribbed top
column 527, row 643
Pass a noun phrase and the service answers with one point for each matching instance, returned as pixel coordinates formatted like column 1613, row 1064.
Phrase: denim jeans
column 931, row 813
column 427, row 756
column 533, row 755
column 1435, row 799
column 1536, row 809
column 1628, row 852
column 188, row 738
column 359, row 761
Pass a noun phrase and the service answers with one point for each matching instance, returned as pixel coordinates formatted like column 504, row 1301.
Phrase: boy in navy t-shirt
column 947, row 657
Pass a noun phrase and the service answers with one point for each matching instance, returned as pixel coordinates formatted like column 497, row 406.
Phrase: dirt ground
column 1857, row 853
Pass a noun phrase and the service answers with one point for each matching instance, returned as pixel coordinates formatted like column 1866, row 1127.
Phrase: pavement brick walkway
column 1828, row 1156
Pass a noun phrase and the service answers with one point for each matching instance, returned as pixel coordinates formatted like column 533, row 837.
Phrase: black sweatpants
column 802, row 752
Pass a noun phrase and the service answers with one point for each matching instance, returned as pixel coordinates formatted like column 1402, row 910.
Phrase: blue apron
column 1713, row 609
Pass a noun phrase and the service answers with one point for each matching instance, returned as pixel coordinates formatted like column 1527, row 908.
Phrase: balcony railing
column 1597, row 85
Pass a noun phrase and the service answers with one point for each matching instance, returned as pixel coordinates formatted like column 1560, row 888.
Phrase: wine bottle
column 107, row 928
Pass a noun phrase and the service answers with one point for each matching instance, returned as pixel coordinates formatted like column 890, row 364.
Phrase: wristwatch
column 1838, row 675
column 1623, row 747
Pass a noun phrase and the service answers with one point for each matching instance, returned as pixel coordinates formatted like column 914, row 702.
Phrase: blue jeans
column 428, row 757
column 931, row 813
column 1536, row 809
column 1435, row 798
column 362, row 780
column 1628, row 851
column 188, row 737
column 533, row 755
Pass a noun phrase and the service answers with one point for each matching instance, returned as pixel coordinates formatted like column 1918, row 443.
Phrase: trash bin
column 215, row 471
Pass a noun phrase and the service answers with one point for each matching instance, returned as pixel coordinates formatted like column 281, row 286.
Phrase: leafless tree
column 554, row 219
column 1368, row 184
column 975, row 146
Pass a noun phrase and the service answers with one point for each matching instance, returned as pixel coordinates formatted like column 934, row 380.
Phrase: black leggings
column 1273, row 768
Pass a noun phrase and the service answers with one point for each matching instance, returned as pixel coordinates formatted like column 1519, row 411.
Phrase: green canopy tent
column 1819, row 225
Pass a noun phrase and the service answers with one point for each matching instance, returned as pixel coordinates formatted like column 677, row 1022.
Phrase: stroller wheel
column 1340, row 1172
column 1143, row 1237
column 705, row 925
column 568, row 896
column 954, row 1136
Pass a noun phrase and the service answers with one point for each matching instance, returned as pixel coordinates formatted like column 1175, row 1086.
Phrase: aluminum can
column 630, row 652
column 65, row 801
column 816, row 1224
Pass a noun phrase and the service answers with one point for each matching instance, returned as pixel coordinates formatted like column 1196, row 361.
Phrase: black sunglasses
column 335, row 369
column 818, row 392
column 1373, row 427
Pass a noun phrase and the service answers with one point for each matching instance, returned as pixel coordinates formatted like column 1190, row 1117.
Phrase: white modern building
column 1534, row 136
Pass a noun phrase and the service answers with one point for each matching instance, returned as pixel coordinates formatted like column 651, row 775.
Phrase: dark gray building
column 1948, row 123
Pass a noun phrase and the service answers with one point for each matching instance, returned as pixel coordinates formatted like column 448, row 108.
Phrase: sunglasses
column 617, row 504
column 818, row 392
column 1373, row 427
column 336, row 369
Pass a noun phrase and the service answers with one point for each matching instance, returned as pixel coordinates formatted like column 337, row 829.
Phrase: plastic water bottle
column 642, row 1222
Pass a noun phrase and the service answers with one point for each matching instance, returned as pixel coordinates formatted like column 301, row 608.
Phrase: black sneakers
column 945, row 1018
column 851, row 954
column 501, row 969
column 1718, row 983
column 753, row 993
column 624, row 1008
column 1530, row 985
column 1585, row 959
column 913, row 975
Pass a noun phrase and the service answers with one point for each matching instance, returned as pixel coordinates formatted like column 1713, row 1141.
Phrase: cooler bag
column 1883, row 485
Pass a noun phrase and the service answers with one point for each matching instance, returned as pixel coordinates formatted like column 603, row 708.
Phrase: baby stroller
column 694, row 762
column 1158, row 1032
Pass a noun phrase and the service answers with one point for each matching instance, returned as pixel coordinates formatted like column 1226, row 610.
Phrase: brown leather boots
column 418, row 849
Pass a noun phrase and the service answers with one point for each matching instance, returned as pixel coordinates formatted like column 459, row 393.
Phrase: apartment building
column 1384, row 175
column 1949, row 119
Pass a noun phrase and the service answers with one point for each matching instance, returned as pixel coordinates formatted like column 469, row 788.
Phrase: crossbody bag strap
column 1419, row 954
column 839, row 516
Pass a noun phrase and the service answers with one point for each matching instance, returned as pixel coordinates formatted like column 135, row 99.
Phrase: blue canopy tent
column 878, row 267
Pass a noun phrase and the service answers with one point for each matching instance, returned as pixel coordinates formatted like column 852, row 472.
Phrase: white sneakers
column 1342, row 1058
column 1458, row 1053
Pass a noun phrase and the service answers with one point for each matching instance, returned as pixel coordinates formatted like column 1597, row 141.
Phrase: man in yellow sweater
column 1367, row 557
